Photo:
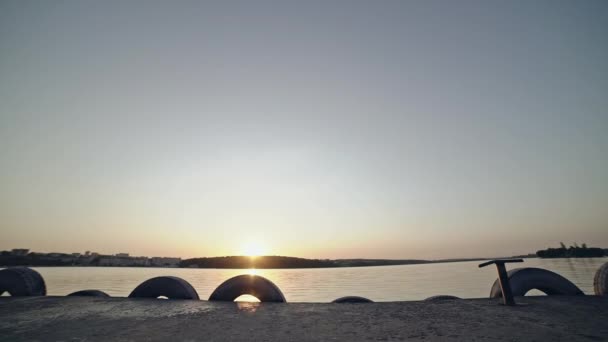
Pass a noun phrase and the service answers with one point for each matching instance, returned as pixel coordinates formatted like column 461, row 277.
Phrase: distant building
column 59, row 257
column 108, row 261
column 20, row 251
column 55, row 255
column 123, row 261
column 122, row 255
column 140, row 261
column 165, row 262
column 112, row 261
column 76, row 255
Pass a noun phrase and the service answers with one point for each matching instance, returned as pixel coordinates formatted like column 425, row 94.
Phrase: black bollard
column 503, row 278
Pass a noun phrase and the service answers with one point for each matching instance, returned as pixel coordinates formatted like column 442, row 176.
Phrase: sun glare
column 253, row 249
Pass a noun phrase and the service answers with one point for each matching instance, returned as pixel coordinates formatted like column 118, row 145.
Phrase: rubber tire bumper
column 600, row 281
column 257, row 286
column 22, row 281
column 352, row 299
column 525, row 279
column 170, row 287
column 89, row 293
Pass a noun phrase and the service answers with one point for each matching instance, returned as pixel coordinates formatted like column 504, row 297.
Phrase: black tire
column 525, row 279
column 22, row 281
column 170, row 287
column 441, row 298
column 89, row 293
column 352, row 299
column 600, row 281
column 257, row 286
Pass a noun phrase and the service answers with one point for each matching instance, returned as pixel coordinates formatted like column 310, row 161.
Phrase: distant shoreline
column 339, row 263
column 288, row 268
column 23, row 257
column 230, row 262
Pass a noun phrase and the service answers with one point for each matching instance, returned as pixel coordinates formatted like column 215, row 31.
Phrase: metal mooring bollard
column 503, row 278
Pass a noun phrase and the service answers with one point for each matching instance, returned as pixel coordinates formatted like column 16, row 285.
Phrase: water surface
column 384, row 283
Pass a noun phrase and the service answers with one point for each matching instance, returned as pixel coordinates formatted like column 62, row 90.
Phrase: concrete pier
column 580, row 318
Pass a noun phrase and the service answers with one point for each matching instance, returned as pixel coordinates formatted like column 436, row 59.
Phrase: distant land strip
column 265, row 262
column 22, row 257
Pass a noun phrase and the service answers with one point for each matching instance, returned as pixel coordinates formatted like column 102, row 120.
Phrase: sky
column 321, row 129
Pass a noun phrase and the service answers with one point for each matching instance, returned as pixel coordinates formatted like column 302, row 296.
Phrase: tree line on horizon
column 255, row 262
column 8, row 258
column 287, row 262
column 574, row 251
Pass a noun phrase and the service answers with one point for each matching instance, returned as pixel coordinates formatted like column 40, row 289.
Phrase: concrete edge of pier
column 544, row 318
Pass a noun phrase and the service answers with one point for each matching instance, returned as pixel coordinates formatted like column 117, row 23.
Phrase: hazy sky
column 378, row 129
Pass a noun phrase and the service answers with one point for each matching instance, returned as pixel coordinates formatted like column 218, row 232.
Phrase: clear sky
column 324, row 129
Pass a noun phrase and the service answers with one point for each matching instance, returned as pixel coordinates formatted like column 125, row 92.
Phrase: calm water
column 386, row 283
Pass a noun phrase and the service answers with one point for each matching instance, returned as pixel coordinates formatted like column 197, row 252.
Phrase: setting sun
column 253, row 249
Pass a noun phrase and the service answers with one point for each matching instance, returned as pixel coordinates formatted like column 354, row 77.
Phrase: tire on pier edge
column 170, row 287
column 352, row 299
column 22, row 281
column 440, row 298
column 600, row 281
column 525, row 279
column 257, row 286
column 89, row 293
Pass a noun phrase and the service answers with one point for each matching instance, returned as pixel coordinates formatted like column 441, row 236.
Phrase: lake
column 382, row 283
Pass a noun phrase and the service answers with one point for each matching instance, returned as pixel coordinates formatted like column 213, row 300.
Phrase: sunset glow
column 253, row 249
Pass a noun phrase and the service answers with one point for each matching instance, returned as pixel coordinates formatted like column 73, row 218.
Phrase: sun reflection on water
column 249, row 307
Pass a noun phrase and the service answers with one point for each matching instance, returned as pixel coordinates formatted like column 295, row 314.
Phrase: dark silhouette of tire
column 170, row 287
column 352, row 299
column 525, row 279
column 600, row 281
column 89, row 293
column 441, row 298
column 22, row 281
column 257, row 286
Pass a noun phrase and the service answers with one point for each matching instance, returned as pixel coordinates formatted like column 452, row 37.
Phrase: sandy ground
column 583, row 318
